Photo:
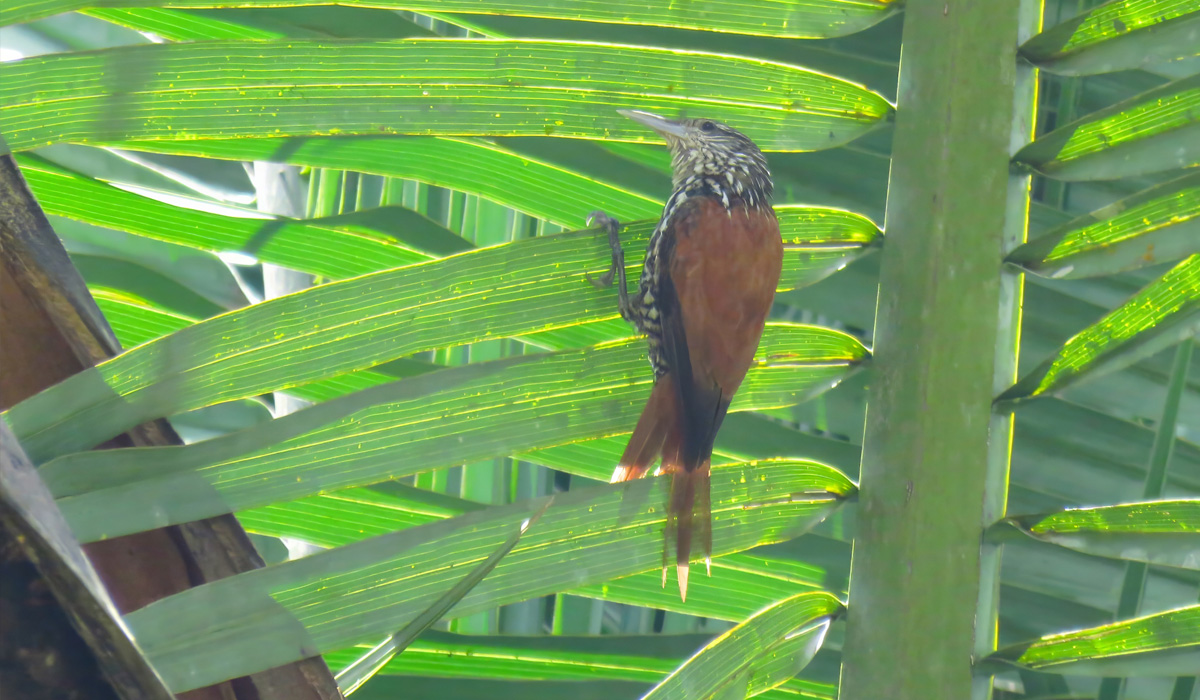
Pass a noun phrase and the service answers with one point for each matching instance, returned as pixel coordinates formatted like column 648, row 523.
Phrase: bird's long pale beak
column 665, row 127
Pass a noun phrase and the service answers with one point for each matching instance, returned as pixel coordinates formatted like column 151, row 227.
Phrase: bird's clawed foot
column 617, row 268
column 611, row 226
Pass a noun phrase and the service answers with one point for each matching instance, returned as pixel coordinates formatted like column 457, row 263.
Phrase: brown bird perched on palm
column 711, row 270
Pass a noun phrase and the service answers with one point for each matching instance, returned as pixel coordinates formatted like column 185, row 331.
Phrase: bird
column 707, row 285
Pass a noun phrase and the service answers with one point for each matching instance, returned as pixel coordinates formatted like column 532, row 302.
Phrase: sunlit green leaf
column 353, row 514
column 600, row 686
column 1064, row 454
column 267, row 23
column 411, row 426
column 760, row 653
column 1156, row 225
column 645, row 658
column 1166, row 644
column 1118, row 35
column 181, row 25
column 336, row 246
column 1156, row 532
column 135, row 320
column 527, row 286
column 859, row 57
column 211, row 180
column 1160, row 315
column 343, row 384
column 350, row 515
column 340, row 597
column 433, row 87
column 747, row 435
column 823, row 239
column 535, row 187
column 758, row 580
column 420, row 688
column 363, row 668
column 1155, row 131
column 794, row 18
column 592, row 458
column 375, row 239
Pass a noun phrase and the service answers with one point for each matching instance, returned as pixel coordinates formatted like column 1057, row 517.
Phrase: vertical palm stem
column 935, row 457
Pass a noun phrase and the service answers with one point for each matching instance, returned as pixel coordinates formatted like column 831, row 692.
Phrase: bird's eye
column 708, row 127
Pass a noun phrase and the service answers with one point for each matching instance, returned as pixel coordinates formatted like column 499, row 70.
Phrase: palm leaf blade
column 1146, row 133
column 1117, row 36
column 796, row 19
column 1160, row 315
column 1164, row 644
column 406, row 427
column 528, row 286
column 760, row 653
column 319, row 603
column 1156, row 225
column 1156, row 532
column 417, row 87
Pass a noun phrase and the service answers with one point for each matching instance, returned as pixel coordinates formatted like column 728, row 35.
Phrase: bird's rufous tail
column 660, row 432
column 689, row 519
column 659, row 417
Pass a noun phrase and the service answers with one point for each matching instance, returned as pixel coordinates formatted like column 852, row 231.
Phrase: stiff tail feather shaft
column 660, row 432
column 689, row 520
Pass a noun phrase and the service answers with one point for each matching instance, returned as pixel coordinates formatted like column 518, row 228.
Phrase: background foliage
column 450, row 365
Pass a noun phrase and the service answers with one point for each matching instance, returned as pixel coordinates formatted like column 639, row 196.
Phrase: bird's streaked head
column 707, row 154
